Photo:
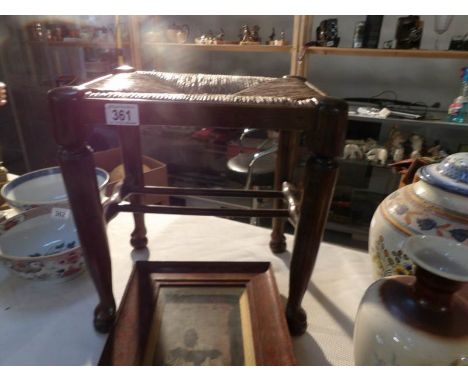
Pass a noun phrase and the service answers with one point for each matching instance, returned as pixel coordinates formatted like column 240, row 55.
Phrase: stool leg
column 80, row 180
column 138, row 238
column 318, row 191
column 79, row 175
column 131, row 154
column 278, row 240
column 324, row 141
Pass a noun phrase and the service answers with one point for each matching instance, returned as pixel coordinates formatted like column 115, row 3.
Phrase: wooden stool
column 127, row 99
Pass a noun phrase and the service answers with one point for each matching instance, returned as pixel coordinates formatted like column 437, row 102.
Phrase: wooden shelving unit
column 301, row 31
column 357, row 230
column 413, row 53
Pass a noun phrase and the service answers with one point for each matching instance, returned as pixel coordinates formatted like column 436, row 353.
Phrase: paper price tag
column 118, row 114
column 60, row 213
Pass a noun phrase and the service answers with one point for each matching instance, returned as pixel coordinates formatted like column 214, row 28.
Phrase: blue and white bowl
column 42, row 187
column 40, row 244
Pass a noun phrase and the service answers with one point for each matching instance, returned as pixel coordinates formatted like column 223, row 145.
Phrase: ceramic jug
column 435, row 205
column 177, row 33
column 421, row 319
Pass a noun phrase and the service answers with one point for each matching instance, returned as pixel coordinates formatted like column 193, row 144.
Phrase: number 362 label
column 122, row 114
column 60, row 213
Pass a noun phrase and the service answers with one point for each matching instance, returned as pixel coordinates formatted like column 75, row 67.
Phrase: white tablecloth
column 51, row 324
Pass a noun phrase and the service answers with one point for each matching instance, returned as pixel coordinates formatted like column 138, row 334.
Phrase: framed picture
column 200, row 314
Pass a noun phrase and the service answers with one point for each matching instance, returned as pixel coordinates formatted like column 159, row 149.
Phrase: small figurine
column 282, row 40
column 395, row 145
column 250, row 36
column 205, row 39
column 417, row 142
column 398, row 154
column 255, row 37
column 275, row 42
column 369, row 144
column 378, row 155
column 435, row 150
column 352, row 151
column 272, row 36
column 327, row 33
column 246, row 37
column 219, row 37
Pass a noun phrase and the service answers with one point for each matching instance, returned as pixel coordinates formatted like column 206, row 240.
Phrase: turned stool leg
column 138, row 238
column 278, row 240
column 79, row 174
column 317, row 195
column 325, row 141
column 80, row 180
column 131, row 154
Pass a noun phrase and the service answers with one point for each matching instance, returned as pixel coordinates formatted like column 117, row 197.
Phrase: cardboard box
column 156, row 176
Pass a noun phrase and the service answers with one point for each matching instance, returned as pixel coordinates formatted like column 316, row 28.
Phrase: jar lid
column 451, row 174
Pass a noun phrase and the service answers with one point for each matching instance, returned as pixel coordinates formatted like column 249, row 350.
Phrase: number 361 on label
column 122, row 114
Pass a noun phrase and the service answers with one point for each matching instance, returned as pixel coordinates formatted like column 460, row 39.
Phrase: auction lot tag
column 122, row 114
column 60, row 213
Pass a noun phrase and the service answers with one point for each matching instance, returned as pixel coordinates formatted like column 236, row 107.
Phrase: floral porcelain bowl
column 42, row 187
column 41, row 244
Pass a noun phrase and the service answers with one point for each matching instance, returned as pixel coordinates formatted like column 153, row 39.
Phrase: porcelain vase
column 421, row 319
column 435, row 205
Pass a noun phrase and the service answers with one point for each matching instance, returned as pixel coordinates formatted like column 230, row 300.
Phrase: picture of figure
column 190, row 355
column 200, row 326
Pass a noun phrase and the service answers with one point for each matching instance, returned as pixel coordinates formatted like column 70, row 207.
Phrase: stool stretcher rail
column 181, row 191
column 177, row 210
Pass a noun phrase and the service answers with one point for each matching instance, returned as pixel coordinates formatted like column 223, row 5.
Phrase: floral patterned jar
column 435, row 205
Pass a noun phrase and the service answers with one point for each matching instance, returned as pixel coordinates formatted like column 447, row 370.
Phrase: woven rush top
column 183, row 87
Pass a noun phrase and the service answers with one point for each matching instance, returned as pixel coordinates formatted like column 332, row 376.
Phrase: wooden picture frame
column 200, row 313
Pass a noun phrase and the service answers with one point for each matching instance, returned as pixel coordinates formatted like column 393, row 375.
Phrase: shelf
column 415, row 53
column 222, row 47
column 77, row 44
column 411, row 122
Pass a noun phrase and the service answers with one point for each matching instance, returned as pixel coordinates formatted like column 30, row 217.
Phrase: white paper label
column 60, row 213
column 122, row 114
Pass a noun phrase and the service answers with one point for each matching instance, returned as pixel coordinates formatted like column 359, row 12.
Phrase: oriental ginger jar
column 435, row 205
